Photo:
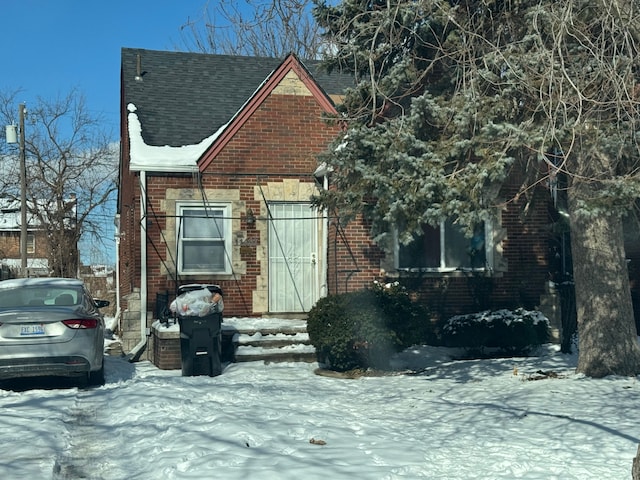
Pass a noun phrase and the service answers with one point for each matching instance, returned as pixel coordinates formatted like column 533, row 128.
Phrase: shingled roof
column 182, row 98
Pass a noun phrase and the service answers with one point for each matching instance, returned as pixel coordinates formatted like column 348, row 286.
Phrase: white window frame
column 31, row 243
column 443, row 268
column 225, row 238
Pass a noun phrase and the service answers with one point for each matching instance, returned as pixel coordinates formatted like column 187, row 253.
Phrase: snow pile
column 526, row 418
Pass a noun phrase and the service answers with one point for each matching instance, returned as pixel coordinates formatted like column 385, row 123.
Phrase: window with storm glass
column 445, row 247
column 203, row 239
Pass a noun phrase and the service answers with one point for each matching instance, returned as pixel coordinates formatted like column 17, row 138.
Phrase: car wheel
column 96, row 378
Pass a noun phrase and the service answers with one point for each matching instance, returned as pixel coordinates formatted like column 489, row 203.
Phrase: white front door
column 293, row 257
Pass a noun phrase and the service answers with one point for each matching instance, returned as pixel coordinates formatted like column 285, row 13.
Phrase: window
column 203, row 234
column 446, row 248
column 31, row 243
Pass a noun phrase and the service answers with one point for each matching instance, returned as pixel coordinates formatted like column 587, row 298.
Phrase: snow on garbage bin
column 199, row 309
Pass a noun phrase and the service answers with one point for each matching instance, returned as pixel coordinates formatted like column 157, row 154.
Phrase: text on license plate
column 32, row 330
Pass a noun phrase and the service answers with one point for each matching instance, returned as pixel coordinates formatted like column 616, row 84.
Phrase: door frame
column 282, row 230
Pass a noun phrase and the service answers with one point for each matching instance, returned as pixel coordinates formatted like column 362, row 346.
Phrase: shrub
column 497, row 332
column 364, row 329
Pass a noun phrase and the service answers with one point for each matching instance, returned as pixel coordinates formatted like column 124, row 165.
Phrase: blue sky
column 52, row 46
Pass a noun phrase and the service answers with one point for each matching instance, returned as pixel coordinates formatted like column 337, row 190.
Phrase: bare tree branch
column 262, row 28
column 71, row 172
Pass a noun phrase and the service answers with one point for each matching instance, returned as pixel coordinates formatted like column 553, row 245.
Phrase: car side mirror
column 101, row 303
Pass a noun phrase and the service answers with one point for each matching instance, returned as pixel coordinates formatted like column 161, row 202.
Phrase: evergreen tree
column 452, row 96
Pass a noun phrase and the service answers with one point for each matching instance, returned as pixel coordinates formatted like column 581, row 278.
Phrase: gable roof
column 174, row 88
column 290, row 64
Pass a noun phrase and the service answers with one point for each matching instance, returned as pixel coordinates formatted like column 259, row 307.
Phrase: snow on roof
column 10, row 221
column 163, row 158
column 11, row 216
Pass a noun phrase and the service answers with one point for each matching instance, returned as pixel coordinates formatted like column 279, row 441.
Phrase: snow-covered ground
column 531, row 418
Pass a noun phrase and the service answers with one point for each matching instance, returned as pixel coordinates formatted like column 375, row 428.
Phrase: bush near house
column 364, row 329
column 496, row 333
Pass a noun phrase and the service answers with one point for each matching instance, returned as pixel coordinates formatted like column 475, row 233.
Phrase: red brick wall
column 166, row 353
column 354, row 260
column 10, row 250
column 129, row 210
column 283, row 137
column 280, row 141
column 525, row 250
column 10, row 245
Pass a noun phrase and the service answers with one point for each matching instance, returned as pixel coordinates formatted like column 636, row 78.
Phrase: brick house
column 218, row 164
column 37, row 254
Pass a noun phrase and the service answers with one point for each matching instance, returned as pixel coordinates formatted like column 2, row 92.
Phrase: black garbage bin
column 201, row 337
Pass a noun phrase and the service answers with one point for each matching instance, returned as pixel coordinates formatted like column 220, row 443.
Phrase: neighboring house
column 100, row 280
column 218, row 165
column 37, row 242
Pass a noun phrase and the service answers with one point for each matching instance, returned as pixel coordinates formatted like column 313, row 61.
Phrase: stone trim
column 287, row 190
column 175, row 195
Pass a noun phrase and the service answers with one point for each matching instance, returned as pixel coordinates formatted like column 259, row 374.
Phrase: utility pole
column 23, row 195
column 11, row 138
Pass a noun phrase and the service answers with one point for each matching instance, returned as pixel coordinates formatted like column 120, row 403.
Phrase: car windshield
column 40, row 296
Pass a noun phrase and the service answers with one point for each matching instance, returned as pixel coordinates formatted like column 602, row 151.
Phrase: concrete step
column 270, row 341
column 292, row 353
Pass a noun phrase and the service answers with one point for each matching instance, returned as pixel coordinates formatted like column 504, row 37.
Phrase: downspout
column 139, row 348
column 116, row 222
column 323, row 171
column 324, row 290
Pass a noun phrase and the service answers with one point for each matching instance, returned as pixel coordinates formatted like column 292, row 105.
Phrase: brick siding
column 276, row 148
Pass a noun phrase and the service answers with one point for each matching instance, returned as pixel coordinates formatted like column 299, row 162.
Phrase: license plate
column 31, row 330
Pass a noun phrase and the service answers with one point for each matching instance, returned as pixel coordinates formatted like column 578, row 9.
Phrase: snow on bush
column 498, row 332
column 363, row 329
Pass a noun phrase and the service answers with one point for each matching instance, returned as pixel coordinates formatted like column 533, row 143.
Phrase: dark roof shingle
column 185, row 97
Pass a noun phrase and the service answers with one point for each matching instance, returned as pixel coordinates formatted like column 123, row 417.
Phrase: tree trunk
column 607, row 337
column 635, row 469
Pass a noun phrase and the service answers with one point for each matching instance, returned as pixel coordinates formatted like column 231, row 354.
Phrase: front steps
column 268, row 340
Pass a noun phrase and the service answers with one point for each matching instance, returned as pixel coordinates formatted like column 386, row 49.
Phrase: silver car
column 51, row 327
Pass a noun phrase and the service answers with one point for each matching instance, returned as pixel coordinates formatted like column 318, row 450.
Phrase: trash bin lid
column 199, row 286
